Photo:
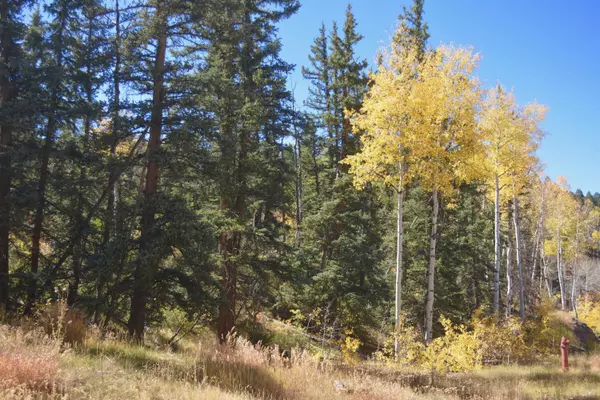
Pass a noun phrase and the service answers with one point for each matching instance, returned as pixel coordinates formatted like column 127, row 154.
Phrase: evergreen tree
column 58, row 77
column 342, row 237
column 11, row 63
column 250, row 103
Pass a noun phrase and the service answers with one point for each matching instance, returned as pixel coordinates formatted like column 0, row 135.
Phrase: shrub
column 589, row 313
column 349, row 346
column 544, row 332
column 500, row 340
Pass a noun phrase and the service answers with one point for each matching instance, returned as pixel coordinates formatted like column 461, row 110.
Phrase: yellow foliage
column 418, row 121
column 489, row 340
column 589, row 313
column 409, row 343
column 457, row 350
column 349, row 346
column 512, row 136
column 500, row 340
column 543, row 333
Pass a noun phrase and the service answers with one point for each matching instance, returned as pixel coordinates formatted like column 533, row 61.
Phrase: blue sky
column 547, row 51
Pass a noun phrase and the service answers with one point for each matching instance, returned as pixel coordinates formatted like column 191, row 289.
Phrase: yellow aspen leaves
column 511, row 137
column 418, row 121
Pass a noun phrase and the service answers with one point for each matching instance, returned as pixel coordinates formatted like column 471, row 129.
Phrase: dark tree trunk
column 146, row 264
column 7, row 94
column 36, row 234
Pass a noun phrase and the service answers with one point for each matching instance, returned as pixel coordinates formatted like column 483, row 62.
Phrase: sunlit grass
column 200, row 369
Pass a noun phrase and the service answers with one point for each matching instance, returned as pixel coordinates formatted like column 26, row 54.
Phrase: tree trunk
column 509, row 281
column 518, row 256
column 559, row 270
column 545, row 274
column 315, row 153
column 399, row 248
column 298, row 159
column 573, row 292
column 497, row 254
column 7, row 94
column 431, row 269
column 147, row 264
column 536, row 249
column 39, row 213
column 226, row 322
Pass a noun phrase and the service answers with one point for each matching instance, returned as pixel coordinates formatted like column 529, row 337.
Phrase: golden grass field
column 33, row 365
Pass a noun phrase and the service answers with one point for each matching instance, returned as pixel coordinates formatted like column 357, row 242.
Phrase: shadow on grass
column 562, row 378
column 225, row 372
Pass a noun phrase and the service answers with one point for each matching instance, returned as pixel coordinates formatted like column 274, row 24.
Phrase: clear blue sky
column 547, row 51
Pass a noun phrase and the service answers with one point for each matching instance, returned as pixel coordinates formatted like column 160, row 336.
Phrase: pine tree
column 319, row 99
column 58, row 75
column 11, row 61
column 248, row 98
column 350, row 81
column 341, row 232
column 147, row 263
column 413, row 27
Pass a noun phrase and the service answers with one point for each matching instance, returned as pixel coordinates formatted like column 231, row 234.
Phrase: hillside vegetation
column 65, row 359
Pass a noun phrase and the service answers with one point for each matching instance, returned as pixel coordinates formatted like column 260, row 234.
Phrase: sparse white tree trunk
column 545, row 274
column 509, row 284
column 559, row 269
column 518, row 256
column 536, row 248
column 431, row 270
column 497, row 254
column 399, row 244
column 573, row 293
column 574, row 272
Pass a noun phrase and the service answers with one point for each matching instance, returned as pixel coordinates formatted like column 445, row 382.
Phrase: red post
column 564, row 351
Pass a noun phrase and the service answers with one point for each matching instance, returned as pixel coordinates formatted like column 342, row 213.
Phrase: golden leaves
column 418, row 121
column 511, row 137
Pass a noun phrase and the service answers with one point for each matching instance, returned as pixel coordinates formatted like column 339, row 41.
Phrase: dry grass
column 28, row 361
column 63, row 323
column 32, row 365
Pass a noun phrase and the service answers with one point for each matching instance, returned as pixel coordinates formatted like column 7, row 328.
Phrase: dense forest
column 154, row 161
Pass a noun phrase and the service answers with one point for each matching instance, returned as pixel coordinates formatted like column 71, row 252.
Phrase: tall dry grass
column 35, row 364
column 29, row 361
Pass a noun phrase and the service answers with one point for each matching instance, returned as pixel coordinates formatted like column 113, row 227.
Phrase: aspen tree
column 418, row 120
column 511, row 136
column 562, row 208
column 444, row 143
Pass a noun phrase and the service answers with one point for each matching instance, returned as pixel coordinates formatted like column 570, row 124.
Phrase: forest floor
column 35, row 366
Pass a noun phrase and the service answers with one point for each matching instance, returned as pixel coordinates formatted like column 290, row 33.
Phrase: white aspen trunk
column 538, row 237
column 508, row 279
column 559, row 270
column 431, row 270
column 497, row 254
column 399, row 244
column 574, row 271
column 536, row 252
column 573, row 291
column 545, row 275
column 518, row 256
